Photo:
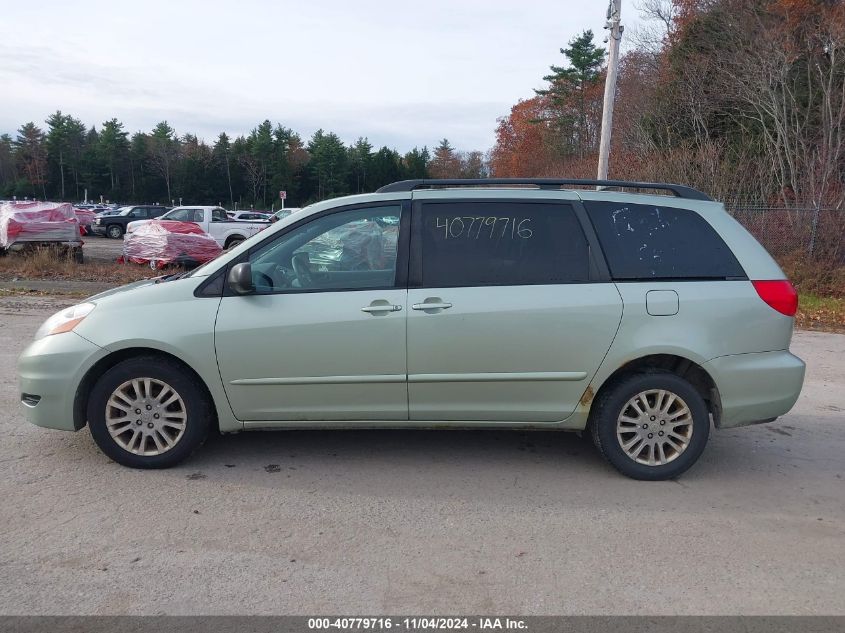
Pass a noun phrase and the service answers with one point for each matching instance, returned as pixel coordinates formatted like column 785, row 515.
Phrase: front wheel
column 232, row 242
column 149, row 412
column 651, row 426
column 114, row 231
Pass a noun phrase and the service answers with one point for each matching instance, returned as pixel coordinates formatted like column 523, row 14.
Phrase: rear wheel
column 148, row 412
column 651, row 426
column 114, row 231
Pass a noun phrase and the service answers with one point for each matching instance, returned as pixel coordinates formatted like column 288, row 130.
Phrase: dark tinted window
column 649, row 242
column 501, row 244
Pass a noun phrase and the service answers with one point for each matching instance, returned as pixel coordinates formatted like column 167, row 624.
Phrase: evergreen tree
column 261, row 147
column 114, row 149
column 220, row 153
column 193, row 170
column 8, row 173
column 137, row 172
column 94, row 173
column 415, row 164
column 164, row 151
column 75, row 131
column 386, row 168
column 58, row 146
column 567, row 92
column 360, row 156
column 329, row 165
column 31, row 158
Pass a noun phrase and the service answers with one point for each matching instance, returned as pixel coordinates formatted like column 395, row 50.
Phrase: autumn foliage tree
column 523, row 142
column 557, row 131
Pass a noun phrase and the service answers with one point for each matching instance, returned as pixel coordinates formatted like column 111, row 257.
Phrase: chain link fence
column 812, row 232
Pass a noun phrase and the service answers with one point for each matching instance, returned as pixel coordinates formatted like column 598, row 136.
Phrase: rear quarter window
column 655, row 242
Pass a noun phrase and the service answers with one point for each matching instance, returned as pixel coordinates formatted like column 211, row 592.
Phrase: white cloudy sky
column 400, row 73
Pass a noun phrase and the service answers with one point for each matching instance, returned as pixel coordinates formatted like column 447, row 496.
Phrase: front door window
column 350, row 250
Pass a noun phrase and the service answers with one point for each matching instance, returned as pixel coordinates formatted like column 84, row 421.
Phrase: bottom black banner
column 402, row 623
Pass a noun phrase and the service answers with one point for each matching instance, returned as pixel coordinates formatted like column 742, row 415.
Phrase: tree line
column 744, row 99
column 66, row 158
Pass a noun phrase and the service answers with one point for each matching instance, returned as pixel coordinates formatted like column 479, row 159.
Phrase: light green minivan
column 539, row 304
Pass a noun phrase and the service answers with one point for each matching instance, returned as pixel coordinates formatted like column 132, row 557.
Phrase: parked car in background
column 113, row 223
column 283, row 213
column 86, row 219
column 214, row 221
column 255, row 216
column 640, row 319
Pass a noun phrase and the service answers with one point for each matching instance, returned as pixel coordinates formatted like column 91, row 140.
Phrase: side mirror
column 240, row 279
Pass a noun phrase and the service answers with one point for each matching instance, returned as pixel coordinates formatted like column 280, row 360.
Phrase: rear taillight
column 780, row 295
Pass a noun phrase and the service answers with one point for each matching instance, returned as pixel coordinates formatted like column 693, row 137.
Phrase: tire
column 114, row 231
column 180, row 428
column 233, row 241
column 685, row 434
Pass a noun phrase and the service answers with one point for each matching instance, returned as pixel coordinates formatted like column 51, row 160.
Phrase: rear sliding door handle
column 431, row 306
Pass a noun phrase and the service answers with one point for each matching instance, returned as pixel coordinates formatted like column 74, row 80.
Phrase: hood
column 134, row 224
column 143, row 283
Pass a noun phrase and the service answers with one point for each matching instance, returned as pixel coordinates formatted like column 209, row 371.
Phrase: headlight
column 65, row 320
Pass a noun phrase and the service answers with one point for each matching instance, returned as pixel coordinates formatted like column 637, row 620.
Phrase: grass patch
column 824, row 313
column 51, row 264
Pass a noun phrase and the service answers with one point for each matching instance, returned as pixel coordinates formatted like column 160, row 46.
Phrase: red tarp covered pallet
column 38, row 222
column 162, row 242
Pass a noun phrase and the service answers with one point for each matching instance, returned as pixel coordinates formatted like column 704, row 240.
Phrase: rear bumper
column 756, row 387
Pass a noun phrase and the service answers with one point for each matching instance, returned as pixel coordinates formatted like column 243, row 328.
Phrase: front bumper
column 98, row 229
column 756, row 387
column 51, row 369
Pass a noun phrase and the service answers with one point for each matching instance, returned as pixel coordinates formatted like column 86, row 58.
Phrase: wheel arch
column 83, row 390
column 670, row 363
column 233, row 239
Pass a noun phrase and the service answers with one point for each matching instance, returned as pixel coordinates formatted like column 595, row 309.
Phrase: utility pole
column 613, row 15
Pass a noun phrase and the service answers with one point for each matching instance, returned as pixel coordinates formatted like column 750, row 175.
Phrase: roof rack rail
column 680, row 191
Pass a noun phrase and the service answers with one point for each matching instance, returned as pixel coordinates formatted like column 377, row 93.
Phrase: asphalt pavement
column 443, row 522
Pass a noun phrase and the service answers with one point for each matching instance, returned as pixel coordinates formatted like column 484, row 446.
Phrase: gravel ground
column 427, row 522
column 101, row 249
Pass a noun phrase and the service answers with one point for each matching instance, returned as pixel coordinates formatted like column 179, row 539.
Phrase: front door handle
column 432, row 303
column 379, row 306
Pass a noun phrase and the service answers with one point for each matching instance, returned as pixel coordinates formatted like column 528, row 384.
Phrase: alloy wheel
column 654, row 427
column 146, row 416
